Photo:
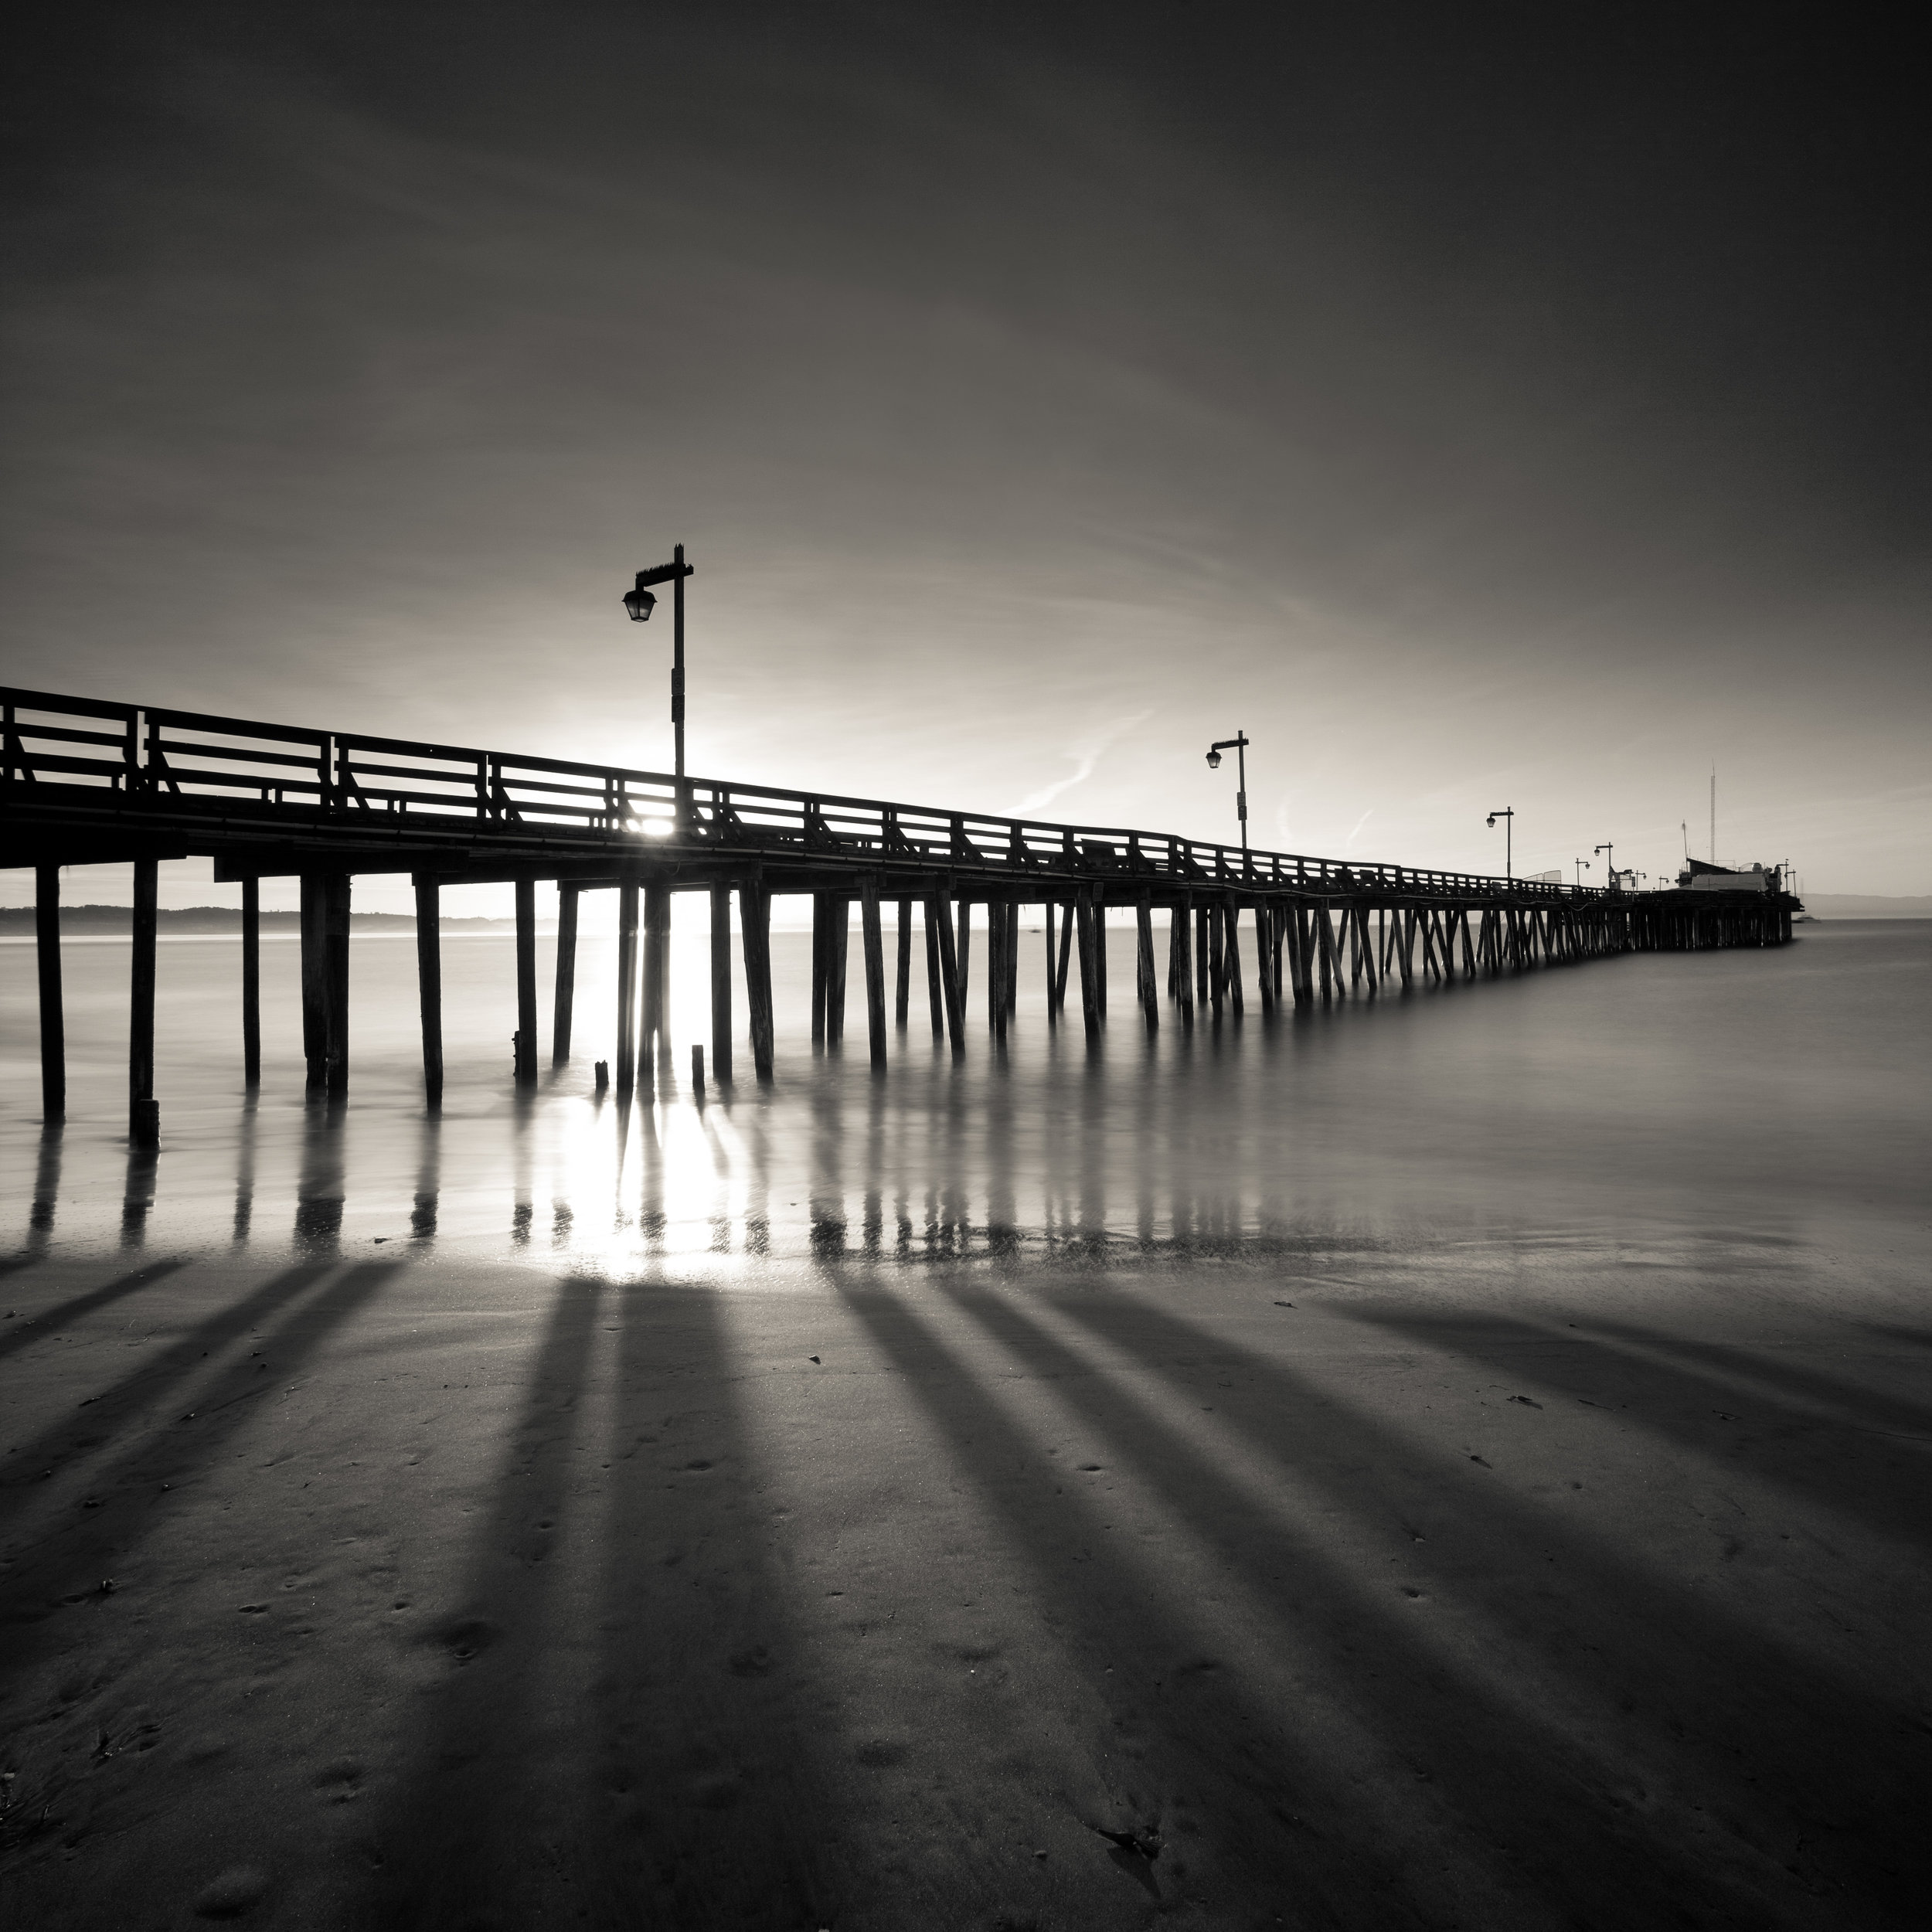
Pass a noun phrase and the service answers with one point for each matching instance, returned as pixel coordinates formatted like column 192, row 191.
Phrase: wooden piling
column 335, row 913
column 1100, row 949
column 935, row 990
column 1368, row 949
column 429, row 984
column 314, row 1024
column 525, row 894
column 1325, row 947
column 1012, row 957
column 53, row 1025
column 1203, row 977
column 901, row 1002
column 1150, row 985
column 1053, row 990
column 562, row 1011
column 996, row 970
column 251, row 982
column 1089, row 969
column 653, row 1030
column 626, row 1047
column 1180, row 944
column 721, row 983
column 963, row 945
column 1068, row 921
column 875, row 970
column 939, row 916
column 1237, row 999
column 820, row 964
column 143, row 1127
column 754, row 924
column 1264, row 953
column 838, row 935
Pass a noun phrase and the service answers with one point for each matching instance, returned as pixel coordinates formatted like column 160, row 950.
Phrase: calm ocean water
column 1766, row 1097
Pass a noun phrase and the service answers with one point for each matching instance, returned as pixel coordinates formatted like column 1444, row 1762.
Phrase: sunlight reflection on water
column 1755, row 1091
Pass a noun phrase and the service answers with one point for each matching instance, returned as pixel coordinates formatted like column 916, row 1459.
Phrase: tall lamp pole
column 1612, row 850
column 1238, row 744
column 1583, row 866
column 640, row 602
column 1507, row 814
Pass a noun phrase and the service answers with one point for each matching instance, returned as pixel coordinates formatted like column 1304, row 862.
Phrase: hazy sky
column 1479, row 405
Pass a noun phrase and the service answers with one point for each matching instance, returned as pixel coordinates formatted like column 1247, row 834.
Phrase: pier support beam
column 820, row 963
column 626, row 1069
column 653, row 1032
column 1085, row 913
column 1150, row 985
column 996, row 970
column 902, row 1002
column 335, row 913
column 144, row 1123
column 53, row 1025
column 875, row 971
column 429, row 984
column 754, row 926
column 526, row 982
column 721, row 984
column 935, row 988
column 939, row 915
column 837, row 938
column 251, row 983
column 314, row 1026
column 567, row 895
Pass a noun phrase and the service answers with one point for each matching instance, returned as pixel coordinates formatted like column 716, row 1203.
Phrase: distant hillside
column 80, row 920
column 1865, row 906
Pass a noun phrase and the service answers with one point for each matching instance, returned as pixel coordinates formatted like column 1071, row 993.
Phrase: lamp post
column 1612, row 850
column 640, row 602
column 1507, row 814
column 1583, row 866
column 1238, row 744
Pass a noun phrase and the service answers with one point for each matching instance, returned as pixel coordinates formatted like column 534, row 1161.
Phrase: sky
column 1478, row 406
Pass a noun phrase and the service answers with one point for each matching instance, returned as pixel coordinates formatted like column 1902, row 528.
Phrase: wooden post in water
column 1264, row 953
column 962, row 947
column 1012, row 957
column 1089, row 969
column 996, row 970
column 1231, row 952
column 626, row 1070
column 143, row 1125
column 1150, row 984
column 336, row 888
column 526, row 892
column 838, row 934
column 939, row 916
column 903, row 992
column 1100, row 949
column 1053, row 988
column 754, row 921
column 251, row 978
column 875, row 969
column 429, row 984
column 567, row 894
column 1203, row 977
column 314, row 1026
column 1068, row 920
column 1180, row 944
column 820, row 964
column 721, row 983
column 1368, row 949
column 653, row 1030
column 935, row 989
column 1330, row 966
column 53, row 1025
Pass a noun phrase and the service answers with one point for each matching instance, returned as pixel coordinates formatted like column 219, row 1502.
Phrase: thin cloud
column 1087, row 753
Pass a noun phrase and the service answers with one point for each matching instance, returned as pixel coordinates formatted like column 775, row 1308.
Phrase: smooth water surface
column 1767, row 1096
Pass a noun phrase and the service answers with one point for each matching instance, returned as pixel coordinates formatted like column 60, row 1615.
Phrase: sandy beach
column 1505, row 1584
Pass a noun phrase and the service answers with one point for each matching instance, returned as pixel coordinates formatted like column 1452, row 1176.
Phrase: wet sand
column 1550, row 1585
column 1461, row 1462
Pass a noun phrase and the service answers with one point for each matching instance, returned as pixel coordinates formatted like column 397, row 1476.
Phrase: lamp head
column 640, row 602
column 1492, row 822
column 1214, row 761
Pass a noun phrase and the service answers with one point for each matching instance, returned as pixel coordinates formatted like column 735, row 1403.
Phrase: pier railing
column 243, row 767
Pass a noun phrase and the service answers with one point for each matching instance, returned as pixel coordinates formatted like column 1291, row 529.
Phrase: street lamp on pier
column 1583, row 866
column 1238, row 744
column 1507, row 814
column 1612, row 850
column 640, row 602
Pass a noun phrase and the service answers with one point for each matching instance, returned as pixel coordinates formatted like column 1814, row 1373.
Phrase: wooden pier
column 84, row 782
